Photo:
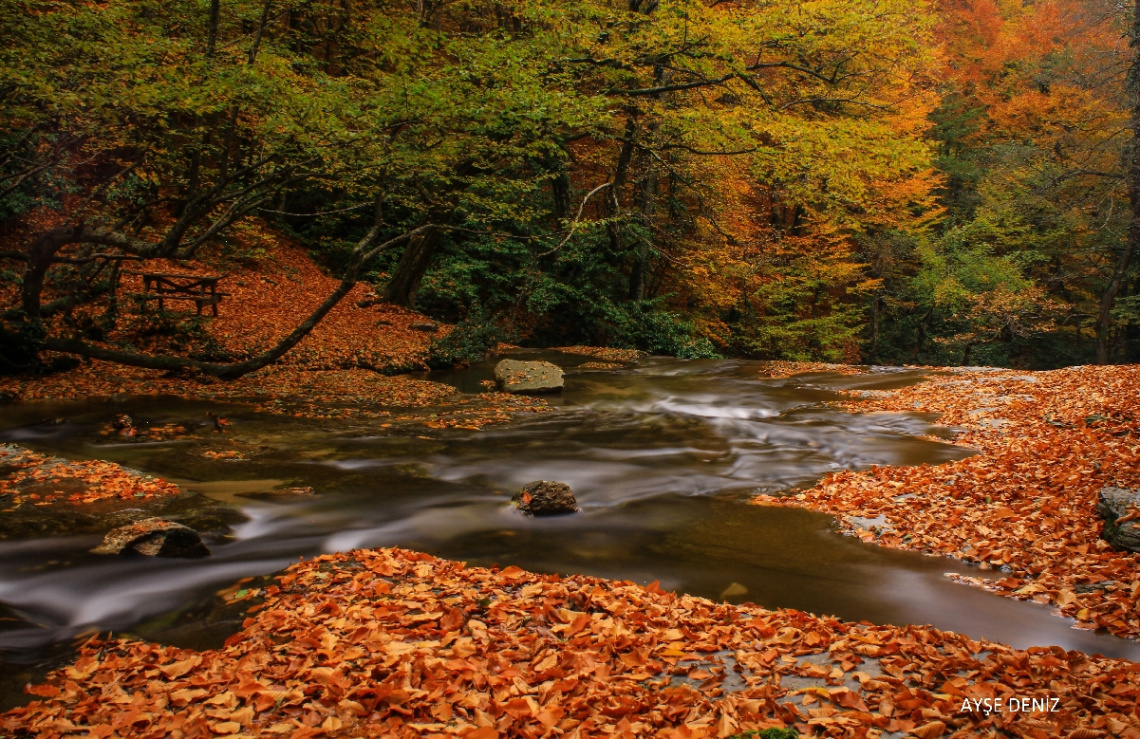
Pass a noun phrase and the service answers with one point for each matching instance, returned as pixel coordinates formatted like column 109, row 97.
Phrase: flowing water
column 662, row 458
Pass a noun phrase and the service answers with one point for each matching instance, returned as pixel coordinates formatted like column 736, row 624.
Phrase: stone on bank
column 528, row 378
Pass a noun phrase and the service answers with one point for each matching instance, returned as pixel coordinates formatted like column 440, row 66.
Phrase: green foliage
column 1003, row 268
column 468, row 342
column 576, row 298
column 801, row 321
column 772, row 733
column 495, row 121
column 646, row 325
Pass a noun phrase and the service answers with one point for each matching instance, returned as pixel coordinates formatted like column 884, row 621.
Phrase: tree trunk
column 40, row 256
column 875, row 328
column 212, row 29
column 560, row 193
column 647, row 196
column 621, row 173
column 1102, row 323
column 405, row 281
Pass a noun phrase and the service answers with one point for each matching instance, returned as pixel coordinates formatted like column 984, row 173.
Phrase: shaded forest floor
column 349, row 366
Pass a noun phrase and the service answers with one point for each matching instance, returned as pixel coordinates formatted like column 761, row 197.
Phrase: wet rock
column 529, row 378
column 124, row 425
column 428, row 327
column 870, row 524
column 734, row 590
column 154, row 537
column 28, row 522
column 123, row 517
column 200, row 513
column 219, row 422
column 544, row 498
column 1114, row 504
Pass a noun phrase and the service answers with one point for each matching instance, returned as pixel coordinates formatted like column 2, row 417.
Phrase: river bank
column 395, row 643
column 392, row 642
column 1049, row 441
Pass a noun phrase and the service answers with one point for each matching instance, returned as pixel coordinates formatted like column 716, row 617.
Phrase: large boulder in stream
column 545, row 498
column 154, row 537
column 1115, row 505
column 528, row 378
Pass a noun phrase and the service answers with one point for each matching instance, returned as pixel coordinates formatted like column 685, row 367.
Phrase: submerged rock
column 544, row 498
column 515, row 376
column 1114, row 504
column 734, row 590
column 154, row 537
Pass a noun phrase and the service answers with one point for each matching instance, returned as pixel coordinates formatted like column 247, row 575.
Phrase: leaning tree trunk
column 405, row 282
column 1133, row 159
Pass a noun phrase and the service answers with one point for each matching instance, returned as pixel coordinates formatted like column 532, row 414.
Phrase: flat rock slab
column 1115, row 504
column 870, row 524
column 154, row 537
column 528, row 378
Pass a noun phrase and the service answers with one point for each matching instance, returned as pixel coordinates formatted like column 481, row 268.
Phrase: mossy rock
column 1114, row 504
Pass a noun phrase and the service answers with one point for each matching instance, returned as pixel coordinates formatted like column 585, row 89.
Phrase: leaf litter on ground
column 1048, row 442
column 395, row 643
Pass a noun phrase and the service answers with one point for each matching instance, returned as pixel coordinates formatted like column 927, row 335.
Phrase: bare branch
column 577, row 219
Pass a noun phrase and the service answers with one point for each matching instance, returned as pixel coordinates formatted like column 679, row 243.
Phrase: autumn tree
column 138, row 131
column 805, row 104
column 1034, row 140
column 579, row 158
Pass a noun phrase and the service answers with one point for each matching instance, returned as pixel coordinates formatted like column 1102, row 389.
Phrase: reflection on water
column 661, row 458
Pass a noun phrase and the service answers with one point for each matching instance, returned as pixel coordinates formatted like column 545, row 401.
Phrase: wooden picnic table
column 202, row 289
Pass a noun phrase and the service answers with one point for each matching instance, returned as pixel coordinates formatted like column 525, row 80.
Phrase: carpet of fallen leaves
column 270, row 296
column 34, row 479
column 399, row 644
column 266, row 298
column 270, row 285
column 1049, row 441
column 334, row 373
column 292, row 391
column 779, row 368
column 625, row 356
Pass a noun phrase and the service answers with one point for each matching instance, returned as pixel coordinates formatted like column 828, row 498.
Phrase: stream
column 662, row 458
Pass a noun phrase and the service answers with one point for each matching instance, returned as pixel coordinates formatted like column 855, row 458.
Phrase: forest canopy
column 866, row 180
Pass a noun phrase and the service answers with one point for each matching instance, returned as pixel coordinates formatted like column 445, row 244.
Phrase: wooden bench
column 202, row 289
